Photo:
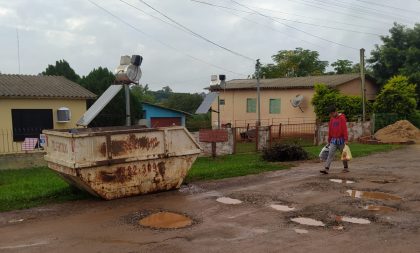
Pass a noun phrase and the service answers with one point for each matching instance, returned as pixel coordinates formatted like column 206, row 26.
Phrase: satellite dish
column 297, row 101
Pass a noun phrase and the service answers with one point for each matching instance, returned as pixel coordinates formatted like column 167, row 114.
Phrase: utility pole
column 127, row 105
column 362, row 77
column 257, row 74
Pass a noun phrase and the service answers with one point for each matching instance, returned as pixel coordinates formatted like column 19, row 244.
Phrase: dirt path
column 251, row 226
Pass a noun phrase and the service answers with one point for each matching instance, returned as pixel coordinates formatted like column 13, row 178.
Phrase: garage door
column 165, row 122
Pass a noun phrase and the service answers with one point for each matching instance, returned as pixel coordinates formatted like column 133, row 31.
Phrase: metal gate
column 245, row 139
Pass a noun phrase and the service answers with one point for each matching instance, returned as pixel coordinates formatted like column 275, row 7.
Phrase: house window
column 274, row 106
column 221, row 102
column 251, row 105
column 29, row 123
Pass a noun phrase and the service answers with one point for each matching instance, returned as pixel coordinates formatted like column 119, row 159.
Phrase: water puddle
column 16, row 220
column 165, row 220
column 301, row 231
column 282, row 208
column 372, row 195
column 353, row 220
column 342, row 181
column 382, row 209
column 229, row 201
column 308, row 221
column 383, row 181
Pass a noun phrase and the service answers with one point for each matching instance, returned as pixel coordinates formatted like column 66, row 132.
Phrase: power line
column 320, row 19
column 362, row 9
column 254, row 22
column 285, row 19
column 292, row 27
column 161, row 42
column 312, row 4
column 153, row 16
column 388, row 6
column 198, row 35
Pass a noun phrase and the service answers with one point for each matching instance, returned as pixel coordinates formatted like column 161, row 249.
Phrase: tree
column 324, row 97
column 163, row 94
column 143, row 93
column 397, row 96
column 399, row 55
column 62, row 68
column 97, row 81
column 342, row 66
column 293, row 63
column 184, row 101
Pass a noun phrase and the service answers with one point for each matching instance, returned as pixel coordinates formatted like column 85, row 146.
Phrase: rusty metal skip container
column 115, row 162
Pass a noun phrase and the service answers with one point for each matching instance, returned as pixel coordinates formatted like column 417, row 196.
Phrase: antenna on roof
column 18, row 50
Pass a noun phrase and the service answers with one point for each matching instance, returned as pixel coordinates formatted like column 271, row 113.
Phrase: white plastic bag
column 346, row 154
column 323, row 155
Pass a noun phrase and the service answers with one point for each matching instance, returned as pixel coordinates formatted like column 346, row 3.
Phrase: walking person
column 337, row 137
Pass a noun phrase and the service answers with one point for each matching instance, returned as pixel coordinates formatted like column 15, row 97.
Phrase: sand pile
column 400, row 131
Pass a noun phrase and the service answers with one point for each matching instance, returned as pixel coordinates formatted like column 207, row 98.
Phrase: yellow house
column 29, row 104
column 238, row 99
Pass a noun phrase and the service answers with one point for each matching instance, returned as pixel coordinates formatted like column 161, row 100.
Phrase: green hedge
column 351, row 106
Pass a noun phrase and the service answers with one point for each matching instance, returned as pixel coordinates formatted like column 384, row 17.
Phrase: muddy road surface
column 374, row 208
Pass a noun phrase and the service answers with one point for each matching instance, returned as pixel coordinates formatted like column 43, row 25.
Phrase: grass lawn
column 246, row 147
column 357, row 149
column 230, row 166
column 27, row 188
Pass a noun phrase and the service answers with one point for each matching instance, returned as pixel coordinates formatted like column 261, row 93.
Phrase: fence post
column 257, row 135
column 279, row 131
column 234, row 139
column 372, row 124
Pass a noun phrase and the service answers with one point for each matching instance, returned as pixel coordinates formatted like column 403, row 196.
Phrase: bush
column 351, row 106
column 284, row 152
column 397, row 96
column 197, row 122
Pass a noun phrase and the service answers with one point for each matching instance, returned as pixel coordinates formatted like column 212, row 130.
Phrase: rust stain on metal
column 133, row 143
column 102, row 150
column 120, row 175
column 59, row 146
column 126, row 173
column 161, row 167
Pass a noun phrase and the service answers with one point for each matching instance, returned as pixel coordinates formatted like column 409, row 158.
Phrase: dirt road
column 251, row 226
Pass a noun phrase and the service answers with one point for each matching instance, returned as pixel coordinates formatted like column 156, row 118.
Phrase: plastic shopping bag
column 346, row 155
column 323, row 155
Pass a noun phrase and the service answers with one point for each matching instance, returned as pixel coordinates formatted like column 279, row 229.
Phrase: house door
column 29, row 123
column 165, row 122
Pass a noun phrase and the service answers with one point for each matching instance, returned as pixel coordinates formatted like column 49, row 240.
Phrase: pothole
column 282, row 208
column 341, row 181
column 308, row 222
column 372, row 195
column 166, row 220
column 301, row 231
column 229, row 201
column 382, row 209
column 353, row 220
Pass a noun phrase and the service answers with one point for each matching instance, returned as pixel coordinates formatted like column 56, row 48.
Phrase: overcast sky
column 87, row 36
